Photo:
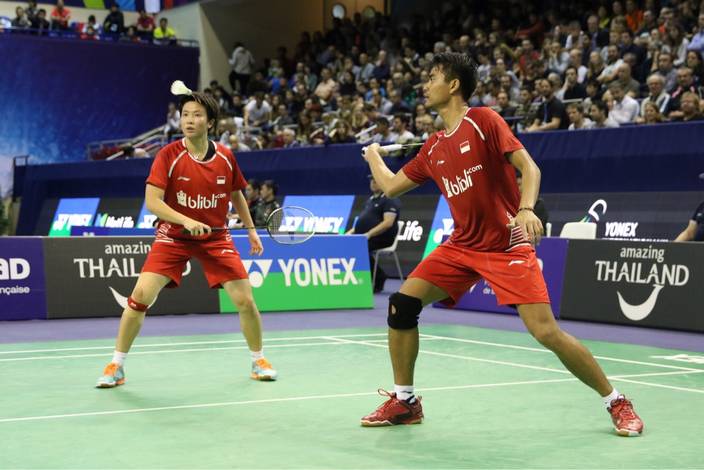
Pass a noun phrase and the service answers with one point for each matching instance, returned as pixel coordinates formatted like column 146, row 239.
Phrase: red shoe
column 626, row 421
column 394, row 411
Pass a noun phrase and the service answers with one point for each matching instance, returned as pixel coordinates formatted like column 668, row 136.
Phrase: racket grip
column 388, row 148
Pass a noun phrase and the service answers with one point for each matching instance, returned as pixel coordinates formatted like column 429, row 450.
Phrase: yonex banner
column 326, row 272
column 331, row 213
column 73, row 212
column 93, row 276
column 22, row 288
column 552, row 255
column 635, row 283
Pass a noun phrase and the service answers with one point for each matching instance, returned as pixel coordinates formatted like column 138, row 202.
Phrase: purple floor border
column 177, row 325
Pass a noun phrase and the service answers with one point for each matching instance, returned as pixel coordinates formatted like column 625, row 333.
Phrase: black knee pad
column 403, row 311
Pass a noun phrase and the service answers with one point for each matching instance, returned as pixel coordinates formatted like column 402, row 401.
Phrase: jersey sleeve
column 500, row 139
column 392, row 205
column 418, row 169
column 159, row 174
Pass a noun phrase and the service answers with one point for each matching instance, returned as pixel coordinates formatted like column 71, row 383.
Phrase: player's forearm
column 160, row 209
column 382, row 175
column 685, row 236
column 531, row 185
column 242, row 208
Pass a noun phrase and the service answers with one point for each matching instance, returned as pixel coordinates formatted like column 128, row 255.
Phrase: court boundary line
column 564, row 371
column 272, row 400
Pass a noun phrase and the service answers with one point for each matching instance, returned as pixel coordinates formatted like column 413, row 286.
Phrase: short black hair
column 254, row 183
column 456, row 65
column 212, row 109
column 272, row 185
column 601, row 106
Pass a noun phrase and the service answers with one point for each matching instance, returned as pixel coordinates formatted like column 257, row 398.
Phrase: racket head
column 290, row 225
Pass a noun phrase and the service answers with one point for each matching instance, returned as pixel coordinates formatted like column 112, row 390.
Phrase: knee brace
column 134, row 305
column 403, row 311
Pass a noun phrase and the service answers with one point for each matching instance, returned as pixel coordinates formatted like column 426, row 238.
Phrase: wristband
column 526, row 209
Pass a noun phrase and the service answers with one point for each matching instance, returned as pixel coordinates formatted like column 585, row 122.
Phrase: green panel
column 95, row 4
column 277, row 293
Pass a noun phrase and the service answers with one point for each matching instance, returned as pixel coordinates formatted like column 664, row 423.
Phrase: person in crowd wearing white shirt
column 399, row 132
column 241, row 62
column 624, row 109
column 613, row 62
column 657, row 95
column 173, row 121
column 599, row 113
column 257, row 113
column 577, row 119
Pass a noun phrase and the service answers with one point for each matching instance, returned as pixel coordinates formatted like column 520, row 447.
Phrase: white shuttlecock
column 180, row 88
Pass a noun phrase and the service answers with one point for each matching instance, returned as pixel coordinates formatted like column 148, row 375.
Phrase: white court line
column 272, row 400
column 543, row 350
column 454, row 356
column 190, row 343
column 165, row 351
column 525, row 366
column 656, row 374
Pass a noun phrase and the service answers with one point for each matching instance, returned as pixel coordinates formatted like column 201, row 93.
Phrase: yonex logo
column 257, row 276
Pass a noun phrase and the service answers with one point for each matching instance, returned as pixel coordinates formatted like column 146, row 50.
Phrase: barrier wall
column 82, row 277
column 660, row 158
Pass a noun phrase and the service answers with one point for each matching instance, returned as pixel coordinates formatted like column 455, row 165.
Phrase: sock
column 610, row 397
column 405, row 392
column 119, row 357
column 256, row 355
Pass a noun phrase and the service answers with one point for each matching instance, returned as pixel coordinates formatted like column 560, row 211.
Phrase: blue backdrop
column 666, row 157
column 60, row 94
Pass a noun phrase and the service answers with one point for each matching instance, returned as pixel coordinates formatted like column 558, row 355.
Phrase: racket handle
column 388, row 148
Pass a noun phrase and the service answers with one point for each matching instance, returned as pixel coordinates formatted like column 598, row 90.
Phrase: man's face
column 397, row 124
column 596, row 114
column 251, row 193
column 617, row 93
column 664, row 62
column 266, row 192
column 684, row 77
column 655, row 86
column 573, row 115
column 612, row 53
column 624, row 73
column 571, row 76
column 526, row 45
column 526, row 96
column 163, row 23
column 194, row 120
column 436, row 90
column 544, row 88
column 592, row 23
column 575, row 58
column 502, row 100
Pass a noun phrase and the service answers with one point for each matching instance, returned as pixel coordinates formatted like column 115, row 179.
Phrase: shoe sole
column 263, row 378
column 378, row 424
column 627, row 432
column 105, row 385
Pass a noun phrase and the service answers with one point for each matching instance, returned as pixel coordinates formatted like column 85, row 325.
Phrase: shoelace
column 624, row 408
column 388, row 402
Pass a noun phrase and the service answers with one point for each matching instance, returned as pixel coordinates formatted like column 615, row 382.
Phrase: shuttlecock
column 180, row 88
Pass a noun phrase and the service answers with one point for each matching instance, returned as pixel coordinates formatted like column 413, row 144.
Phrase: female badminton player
column 188, row 189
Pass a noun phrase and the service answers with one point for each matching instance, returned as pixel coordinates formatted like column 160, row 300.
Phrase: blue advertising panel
column 331, row 212
column 73, row 212
column 22, row 283
column 552, row 256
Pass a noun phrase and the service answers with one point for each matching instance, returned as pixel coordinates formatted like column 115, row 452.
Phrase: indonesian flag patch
column 221, row 180
column 464, row 147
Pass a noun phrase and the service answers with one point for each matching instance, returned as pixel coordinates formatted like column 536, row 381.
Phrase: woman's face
column 650, row 114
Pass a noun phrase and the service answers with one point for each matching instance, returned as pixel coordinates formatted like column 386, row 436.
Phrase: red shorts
column 514, row 275
column 219, row 258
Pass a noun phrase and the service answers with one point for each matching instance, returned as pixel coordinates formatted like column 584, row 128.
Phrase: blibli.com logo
column 460, row 183
column 304, row 272
column 200, row 202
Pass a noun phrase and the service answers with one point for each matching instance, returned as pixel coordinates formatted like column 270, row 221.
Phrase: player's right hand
column 196, row 228
column 375, row 147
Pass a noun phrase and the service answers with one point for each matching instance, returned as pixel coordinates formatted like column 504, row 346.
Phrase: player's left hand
column 255, row 244
column 375, row 147
column 529, row 223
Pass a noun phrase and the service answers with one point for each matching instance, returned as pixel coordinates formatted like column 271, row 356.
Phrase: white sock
column 119, row 357
column 256, row 355
column 610, row 397
column 405, row 392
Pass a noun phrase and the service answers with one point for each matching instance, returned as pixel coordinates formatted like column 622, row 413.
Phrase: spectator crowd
column 35, row 20
column 542, row 65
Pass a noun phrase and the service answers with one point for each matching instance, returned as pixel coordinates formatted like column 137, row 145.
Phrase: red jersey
column 199, row 189
column 477, row 180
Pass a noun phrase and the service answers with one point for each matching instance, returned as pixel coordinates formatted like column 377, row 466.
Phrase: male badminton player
column 472, row 161
column 188, row 189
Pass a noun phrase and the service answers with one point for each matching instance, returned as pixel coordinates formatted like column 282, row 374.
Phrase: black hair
column 212, row 109
column 601, row 106
column 254, row 183
column 455, row 65
column 272, row 185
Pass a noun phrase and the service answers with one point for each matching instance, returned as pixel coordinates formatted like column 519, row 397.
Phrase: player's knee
column 245, row 304
column 403, row 311
column 548, row 336
column 138, row 301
